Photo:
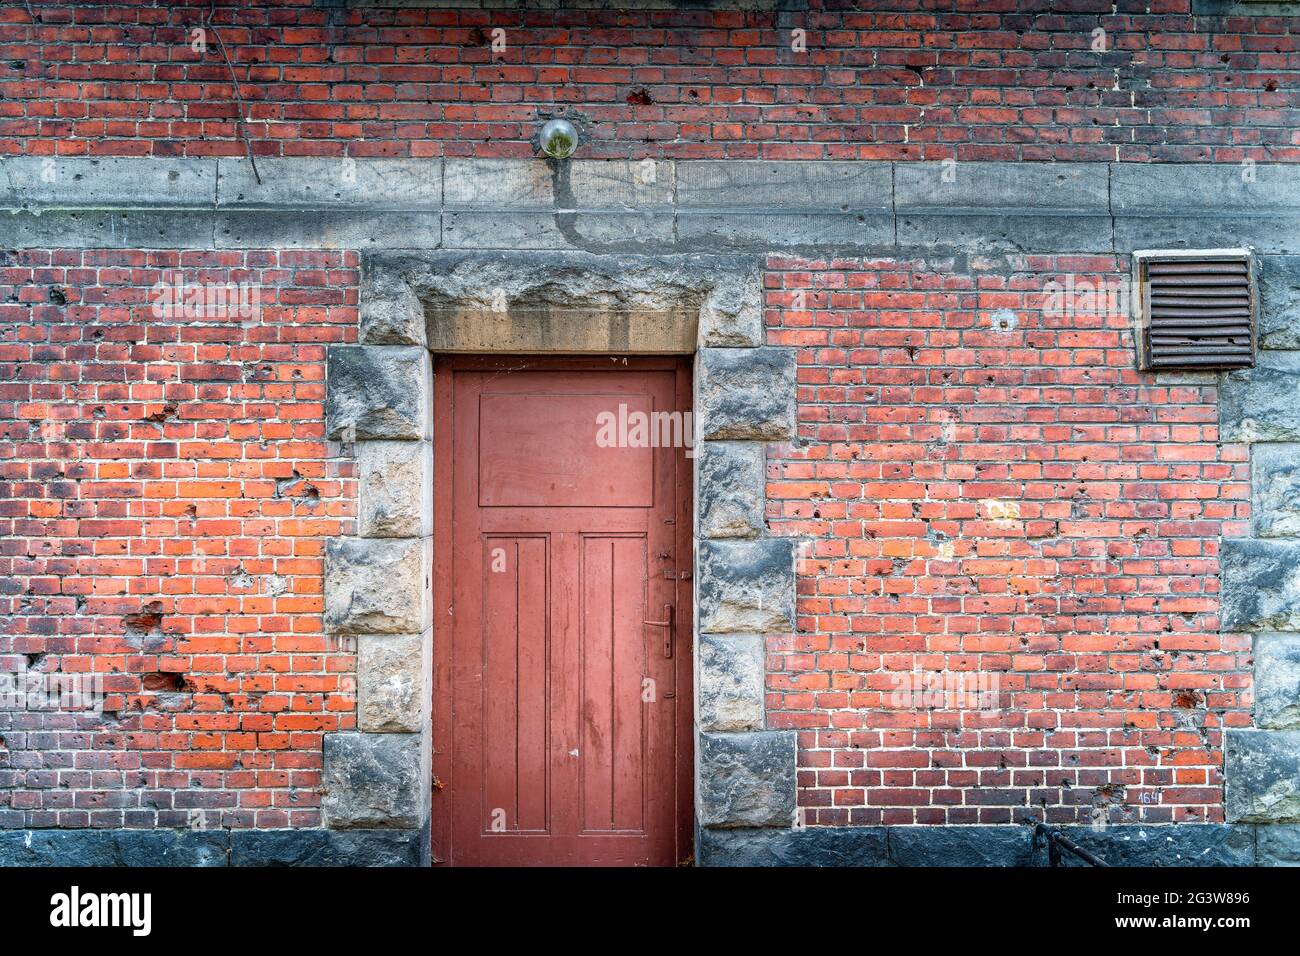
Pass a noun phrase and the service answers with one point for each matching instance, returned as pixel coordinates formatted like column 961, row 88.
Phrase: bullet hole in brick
column 640, row 97
column 476, row 37
column 191, row 511
column 144, row 628
column 1270, row 86
column 164, row 682
column 98, row 411
column 34, row 661
column 57, row 296
column 1186, row 699
column 166, row 412
column 298, row 488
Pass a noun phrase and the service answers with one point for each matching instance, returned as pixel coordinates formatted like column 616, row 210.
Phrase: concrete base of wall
column 211, row 848
column 1171, row 845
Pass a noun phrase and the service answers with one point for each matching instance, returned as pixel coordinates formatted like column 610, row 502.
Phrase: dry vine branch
column 239, row 94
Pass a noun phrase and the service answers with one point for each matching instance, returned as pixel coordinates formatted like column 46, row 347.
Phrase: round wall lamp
column 559, row 139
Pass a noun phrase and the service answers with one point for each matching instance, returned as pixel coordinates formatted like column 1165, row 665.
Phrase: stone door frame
column 378, row 580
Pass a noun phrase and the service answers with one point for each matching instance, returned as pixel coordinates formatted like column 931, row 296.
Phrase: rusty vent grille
column 1199, row 312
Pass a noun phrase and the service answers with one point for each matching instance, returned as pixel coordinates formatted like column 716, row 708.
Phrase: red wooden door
column 561, row 729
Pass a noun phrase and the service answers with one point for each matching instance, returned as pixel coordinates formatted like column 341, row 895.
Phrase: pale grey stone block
column 596, row 230
column 746, row 586
column 376, row 392
column 108, row 181
column 390, row 683
column 1275, row 481
column 396, row 489
column 312, row 182
column 993, row 206
column 744, row 229
column 1262, row 404
column 731, row 676
column 1279, row 302
column 505, row 184
column 376, row 586
column 746, row 394
column 732, row 489
column 110, row 228
column 732, row 311
column 1277, row 681
column 747, row 779
column 829, row 185
column 1261, row 585
column 1262, row 776
column 371, row 780
column 348, row 228
column 391, row 314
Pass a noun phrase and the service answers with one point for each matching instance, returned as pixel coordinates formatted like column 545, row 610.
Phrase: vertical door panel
column 515, row 691
column 614, row 671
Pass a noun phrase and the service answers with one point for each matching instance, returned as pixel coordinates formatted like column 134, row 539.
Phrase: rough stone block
column 1277, row 845
column 1261, row 585
column 732, row 311
column 376, row 586
column 325, row 847
column 731, row 682
column 396, row 489
column 1180, row 844
column 390, row 683
column 746, row 586
column 746, row 394
column 78, row 848
column 1277, row 681
column 391, row 314
column 732, row 489
column 377, row 392
column 1262, row 404
column 1261, row 771
column 1279, row 302
column 1275, row 480
column 746, row 780
column 813, row 846
column 372, row 780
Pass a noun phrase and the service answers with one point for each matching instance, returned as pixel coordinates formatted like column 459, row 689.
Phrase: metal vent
column 1197, row 310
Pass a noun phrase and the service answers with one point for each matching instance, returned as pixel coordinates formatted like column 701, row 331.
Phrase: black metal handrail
column 1056, row 841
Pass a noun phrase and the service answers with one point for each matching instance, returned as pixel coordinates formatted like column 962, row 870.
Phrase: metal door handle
column 668, row 623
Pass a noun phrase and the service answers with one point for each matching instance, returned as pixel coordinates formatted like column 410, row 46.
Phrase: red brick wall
column 165, row 495
column 1014, row 502
column 902, row 80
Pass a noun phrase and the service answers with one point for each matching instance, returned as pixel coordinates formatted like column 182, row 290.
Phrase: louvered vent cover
column 1198, row 311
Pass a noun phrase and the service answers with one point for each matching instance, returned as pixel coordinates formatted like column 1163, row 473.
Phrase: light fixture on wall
column 559, row 139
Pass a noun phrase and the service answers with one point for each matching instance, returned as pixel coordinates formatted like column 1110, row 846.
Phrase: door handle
column 668, row 623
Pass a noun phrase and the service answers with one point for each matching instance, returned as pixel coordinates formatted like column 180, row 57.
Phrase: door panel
column 559, row 713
